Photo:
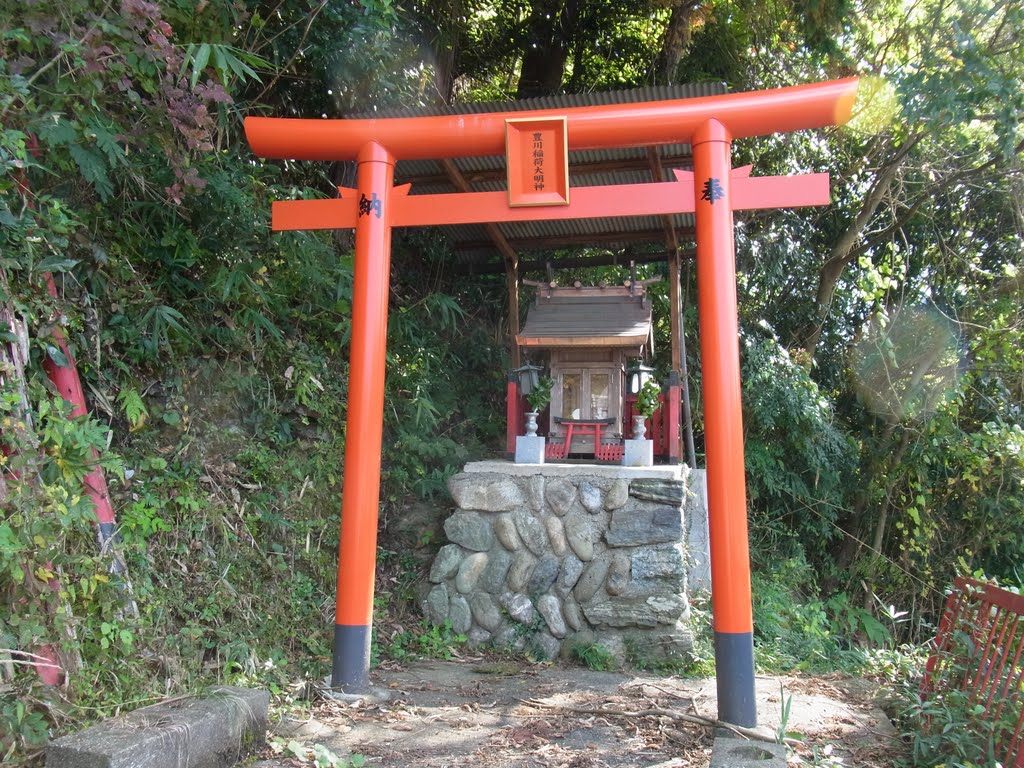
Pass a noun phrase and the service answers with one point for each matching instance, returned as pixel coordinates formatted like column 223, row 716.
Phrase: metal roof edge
column 593, row 98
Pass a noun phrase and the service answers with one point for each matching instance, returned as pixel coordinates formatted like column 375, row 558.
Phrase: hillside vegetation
column 881, row 336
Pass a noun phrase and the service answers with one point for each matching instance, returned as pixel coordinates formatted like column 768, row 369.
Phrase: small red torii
column 712, row 192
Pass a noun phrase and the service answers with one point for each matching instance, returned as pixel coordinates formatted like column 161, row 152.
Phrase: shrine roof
column 587, row 317
column 475, row 247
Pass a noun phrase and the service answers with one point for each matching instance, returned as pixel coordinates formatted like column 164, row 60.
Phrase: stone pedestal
column 544, row 558
column 529, row 449
column 638, row 453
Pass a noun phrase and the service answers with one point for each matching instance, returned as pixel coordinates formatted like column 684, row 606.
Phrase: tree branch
column 843, row 252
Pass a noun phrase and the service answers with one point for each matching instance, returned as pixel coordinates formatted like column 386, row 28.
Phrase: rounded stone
column 493, row 578
column 446, row 563
column 460, row 615
column 470, row 530
column 544, row 575
column 618, row 575
column 486, row 491
column 580, row 537
column 521, row 570
column 556, row 535
column 592, row 579
column 572, row 567
column 591, row 497
column 436, row 604
column 535, row 492
column 510, row 638
column 560, row 495
column 519, row 607
column 469, row 572
column 550, row 608
column 545, row 647
column 573, row 615
column 531, row 532
column 505, row 530
column 485, row 611
column 618, row 495
column 477, row 636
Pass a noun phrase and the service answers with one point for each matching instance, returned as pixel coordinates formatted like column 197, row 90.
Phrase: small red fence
column 978, row 652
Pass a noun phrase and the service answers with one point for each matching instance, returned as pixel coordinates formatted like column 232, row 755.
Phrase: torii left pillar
column 357, row 553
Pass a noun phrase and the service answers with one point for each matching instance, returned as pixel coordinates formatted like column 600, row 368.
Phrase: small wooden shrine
column 586, row 338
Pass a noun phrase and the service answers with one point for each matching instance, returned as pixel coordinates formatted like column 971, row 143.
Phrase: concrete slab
column 667, row 472
column 215, row 731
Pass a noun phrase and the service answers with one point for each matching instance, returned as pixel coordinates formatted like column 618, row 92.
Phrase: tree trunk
column 844, row 251
column 546, row 48
column 447, row 17
column 675, row 42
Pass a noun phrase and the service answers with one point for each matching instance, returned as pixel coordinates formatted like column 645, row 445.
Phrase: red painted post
column 672, row 416
column 357, row 550
column 723, row 435
column 513, row 420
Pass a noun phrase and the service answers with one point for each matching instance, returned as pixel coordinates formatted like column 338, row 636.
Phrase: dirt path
column 487, row 714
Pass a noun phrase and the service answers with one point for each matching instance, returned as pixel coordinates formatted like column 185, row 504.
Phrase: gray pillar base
column 734, row 665
column 350, row 667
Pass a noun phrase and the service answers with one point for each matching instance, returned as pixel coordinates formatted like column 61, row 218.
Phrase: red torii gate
column 712, row 191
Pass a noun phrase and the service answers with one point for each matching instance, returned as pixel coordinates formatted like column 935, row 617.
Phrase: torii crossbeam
column 712, row 192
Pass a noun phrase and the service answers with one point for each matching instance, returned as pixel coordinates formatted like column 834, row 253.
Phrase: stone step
column 218, row 730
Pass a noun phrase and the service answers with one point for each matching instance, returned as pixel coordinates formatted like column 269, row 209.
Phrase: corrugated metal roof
column 586, row 168
column 556, row 101
column 614, row 320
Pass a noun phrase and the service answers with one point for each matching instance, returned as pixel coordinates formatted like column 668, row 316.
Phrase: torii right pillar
column 723, row 434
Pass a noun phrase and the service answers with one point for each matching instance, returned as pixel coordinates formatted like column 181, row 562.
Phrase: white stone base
column 638, row 453
column 529, row 449
column 555, row 469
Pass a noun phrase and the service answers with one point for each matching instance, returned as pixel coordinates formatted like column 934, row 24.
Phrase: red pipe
column 69, row 385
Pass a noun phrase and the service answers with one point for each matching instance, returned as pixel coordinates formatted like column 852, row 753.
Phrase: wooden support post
column 512, row 281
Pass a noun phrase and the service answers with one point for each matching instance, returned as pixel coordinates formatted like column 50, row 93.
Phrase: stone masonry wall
column 544, row 559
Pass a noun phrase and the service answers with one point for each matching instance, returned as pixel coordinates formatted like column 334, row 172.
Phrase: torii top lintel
column 755, row 113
